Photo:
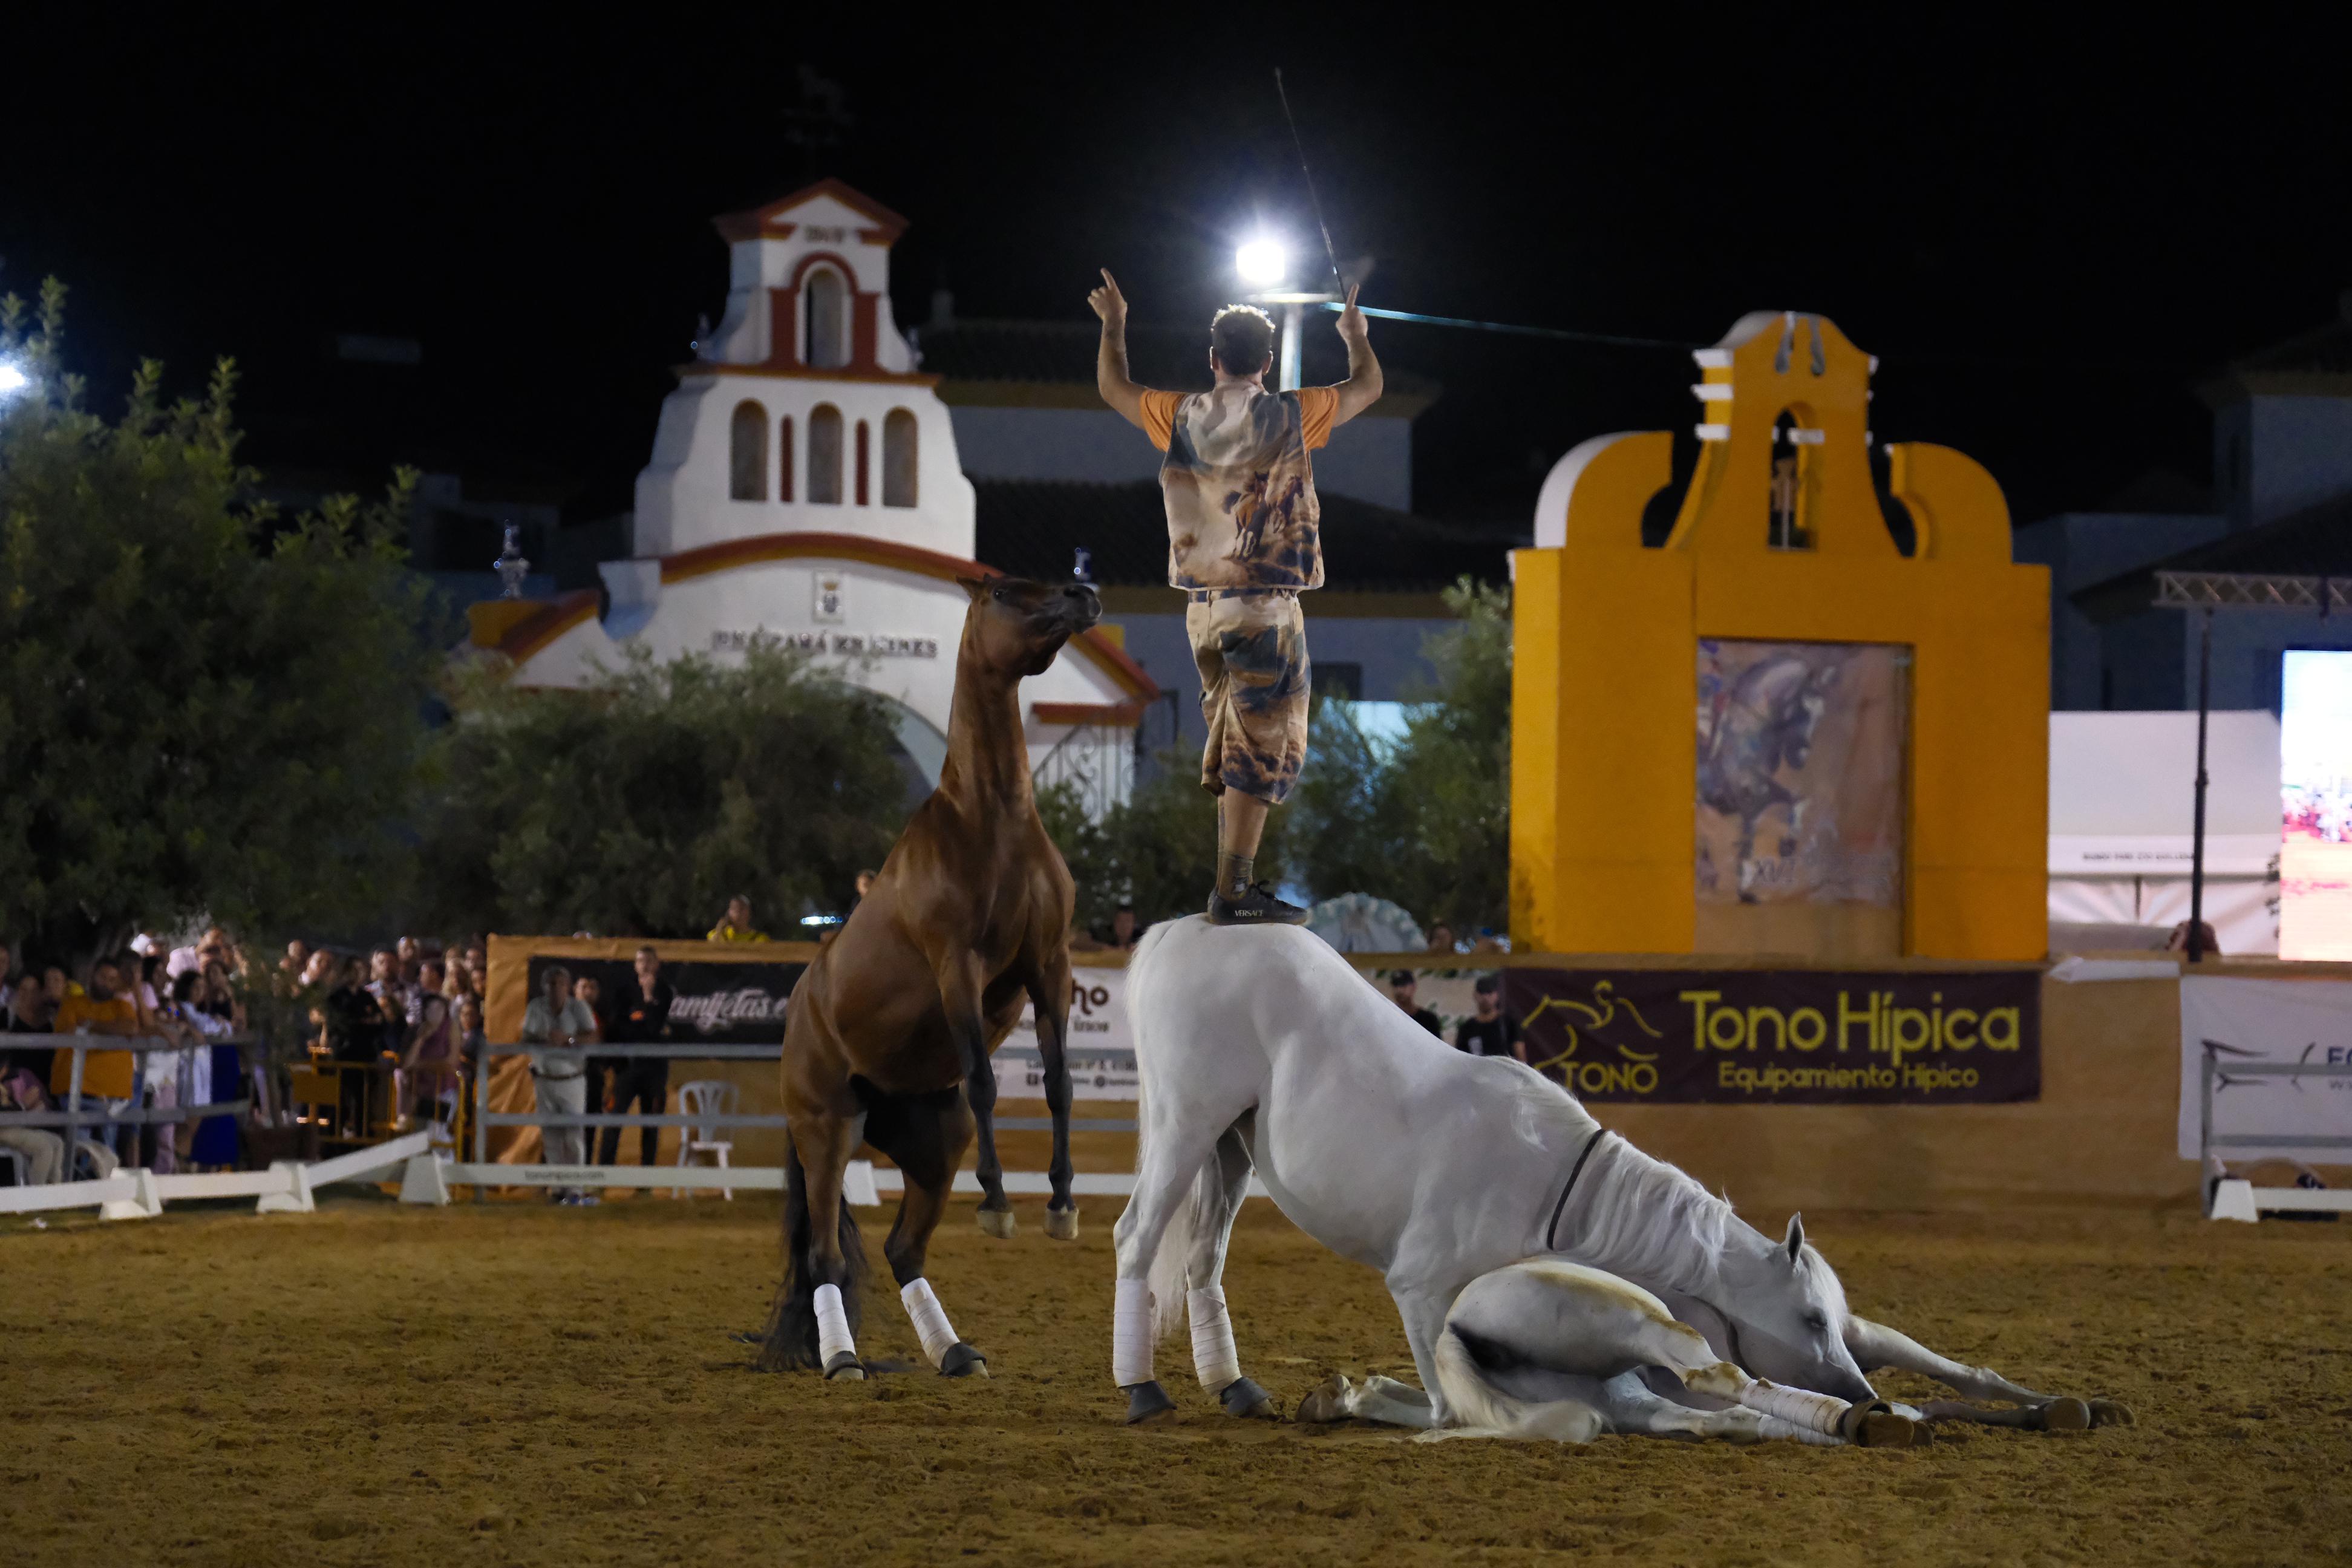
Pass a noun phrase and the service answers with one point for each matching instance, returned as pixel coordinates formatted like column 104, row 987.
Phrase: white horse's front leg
column 1423, row 1311
column 1875, row 1345
column 1381, row 1399
column 1630, row 1406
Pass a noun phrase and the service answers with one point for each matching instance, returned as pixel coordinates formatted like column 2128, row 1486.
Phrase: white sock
column 1214, row 1360
column 831, row 1325
column 931, row 1319
column 1130, row 1332
column 1815, row 1412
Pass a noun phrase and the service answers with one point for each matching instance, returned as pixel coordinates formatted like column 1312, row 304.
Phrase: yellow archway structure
column 1604, row 751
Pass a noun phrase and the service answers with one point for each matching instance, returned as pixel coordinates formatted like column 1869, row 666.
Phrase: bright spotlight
column 1262, row 262
column 12, row 379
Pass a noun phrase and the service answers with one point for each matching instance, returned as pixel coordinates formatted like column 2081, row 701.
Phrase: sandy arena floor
column 513, row 1384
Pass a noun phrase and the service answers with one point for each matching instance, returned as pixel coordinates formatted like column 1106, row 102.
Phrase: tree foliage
column 205, row 707
column 1156, row 849
column 640, row 804
column 1425, row 822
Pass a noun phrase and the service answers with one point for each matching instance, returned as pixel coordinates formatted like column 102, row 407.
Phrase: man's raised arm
column 1110, row 361
column 1363, row 387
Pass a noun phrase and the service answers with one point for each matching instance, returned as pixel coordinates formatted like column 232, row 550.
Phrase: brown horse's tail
column 791, row 1341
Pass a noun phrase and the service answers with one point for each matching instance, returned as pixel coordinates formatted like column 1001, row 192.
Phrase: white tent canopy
column 2122, row 817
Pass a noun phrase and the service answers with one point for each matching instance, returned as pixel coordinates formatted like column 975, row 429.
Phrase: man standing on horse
column 1244, row 542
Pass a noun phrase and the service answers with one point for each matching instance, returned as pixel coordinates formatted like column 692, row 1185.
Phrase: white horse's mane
column 1648, row 1221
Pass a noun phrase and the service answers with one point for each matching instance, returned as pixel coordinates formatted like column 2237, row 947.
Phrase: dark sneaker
column 1256, row 907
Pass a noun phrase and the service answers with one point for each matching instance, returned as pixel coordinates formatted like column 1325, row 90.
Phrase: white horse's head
column 1788, row 1317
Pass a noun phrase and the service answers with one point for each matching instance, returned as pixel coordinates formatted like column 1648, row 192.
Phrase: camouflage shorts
column 1252, row 653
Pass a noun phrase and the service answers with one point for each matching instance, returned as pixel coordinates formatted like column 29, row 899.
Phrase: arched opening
column 747, row 453
column 1791, row 508
column 784, row 456
column 864, row 440
column 825, row 455
column 898, row 458
column 825, row 320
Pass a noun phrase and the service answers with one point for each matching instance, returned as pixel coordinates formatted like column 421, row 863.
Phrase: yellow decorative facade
column 1603, row 749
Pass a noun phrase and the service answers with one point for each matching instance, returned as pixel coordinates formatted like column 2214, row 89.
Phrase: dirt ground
column 513, row 1384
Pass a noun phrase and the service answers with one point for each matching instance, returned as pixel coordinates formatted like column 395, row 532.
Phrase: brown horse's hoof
column 1062, row 1224
column 997, row 1223
column 2112, row 1412
column 2064, row 1415
column 962, row 1360
column 844, row 1367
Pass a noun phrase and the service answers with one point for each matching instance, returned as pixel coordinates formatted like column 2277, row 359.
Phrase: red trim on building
column 553, row 618
column 765, row 221
column 862, row 323
column 1105, row 715
column 559, row 615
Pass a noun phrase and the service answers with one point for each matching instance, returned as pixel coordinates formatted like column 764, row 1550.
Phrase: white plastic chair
column 706, row 1097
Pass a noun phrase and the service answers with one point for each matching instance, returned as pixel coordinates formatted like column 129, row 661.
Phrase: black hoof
column 845, row 1366
column 962, row 1360
column 1244, row 1398
column 1147, row 1402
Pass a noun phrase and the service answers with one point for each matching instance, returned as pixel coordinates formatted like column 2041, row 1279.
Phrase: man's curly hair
column 1242, row 337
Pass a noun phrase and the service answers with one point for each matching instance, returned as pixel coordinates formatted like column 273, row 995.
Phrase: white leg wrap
column 1214, row 1360
column 1814, row 1412
column 931, row 1319
column 1773, row 1426
column 1130, row 1332
column 832, row 1325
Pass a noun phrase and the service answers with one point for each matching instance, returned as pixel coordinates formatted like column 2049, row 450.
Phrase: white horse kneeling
column 1552, row 1349
column 1263, row 1052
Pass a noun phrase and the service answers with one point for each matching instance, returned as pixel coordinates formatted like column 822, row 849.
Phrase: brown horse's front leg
column 959, row 993
column 1049, row 994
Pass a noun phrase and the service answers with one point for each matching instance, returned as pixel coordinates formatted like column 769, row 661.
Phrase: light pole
column 1266, row 263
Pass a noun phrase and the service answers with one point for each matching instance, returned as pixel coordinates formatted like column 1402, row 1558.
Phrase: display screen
column 2315, row 804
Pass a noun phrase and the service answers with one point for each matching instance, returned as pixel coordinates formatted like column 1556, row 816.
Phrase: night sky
column 2050, row 237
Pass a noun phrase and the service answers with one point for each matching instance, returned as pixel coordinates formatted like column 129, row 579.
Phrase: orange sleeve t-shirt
column 1317, row 406
column 109, row 1074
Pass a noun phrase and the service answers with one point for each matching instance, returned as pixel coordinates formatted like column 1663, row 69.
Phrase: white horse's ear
column 1795, row 1242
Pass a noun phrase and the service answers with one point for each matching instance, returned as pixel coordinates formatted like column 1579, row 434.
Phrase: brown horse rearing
column 887, row 1037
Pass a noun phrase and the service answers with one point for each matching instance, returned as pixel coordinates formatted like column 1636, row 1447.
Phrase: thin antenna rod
column 1315, row 201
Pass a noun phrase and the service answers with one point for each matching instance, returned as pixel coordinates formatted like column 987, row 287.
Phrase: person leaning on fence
column 109, row 1076
column 640, row 1017
column 557, row 1018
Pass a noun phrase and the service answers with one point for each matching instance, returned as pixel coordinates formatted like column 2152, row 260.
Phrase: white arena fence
column 426, row 1177
column 865, row 1184
column 2236, row 1198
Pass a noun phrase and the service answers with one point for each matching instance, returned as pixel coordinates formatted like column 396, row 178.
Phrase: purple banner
column 1762, row 1036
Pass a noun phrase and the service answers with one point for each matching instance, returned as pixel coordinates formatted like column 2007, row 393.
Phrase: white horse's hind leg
column 1216, row 1360
column 1629, row 1406
column 1174, row 1157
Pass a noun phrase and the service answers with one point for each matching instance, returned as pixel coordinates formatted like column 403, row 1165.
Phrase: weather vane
column 511, row 566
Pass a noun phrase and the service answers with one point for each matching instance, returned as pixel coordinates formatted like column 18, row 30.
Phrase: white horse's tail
column 1479, row 1409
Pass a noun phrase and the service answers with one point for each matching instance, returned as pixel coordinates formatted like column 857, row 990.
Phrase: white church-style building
column 805, row 487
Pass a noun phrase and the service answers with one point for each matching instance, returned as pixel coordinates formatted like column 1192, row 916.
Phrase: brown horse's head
column 1015, row 628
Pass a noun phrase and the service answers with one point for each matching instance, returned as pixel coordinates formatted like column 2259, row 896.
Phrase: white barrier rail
column 286, row 1187
column 2235, row 1198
